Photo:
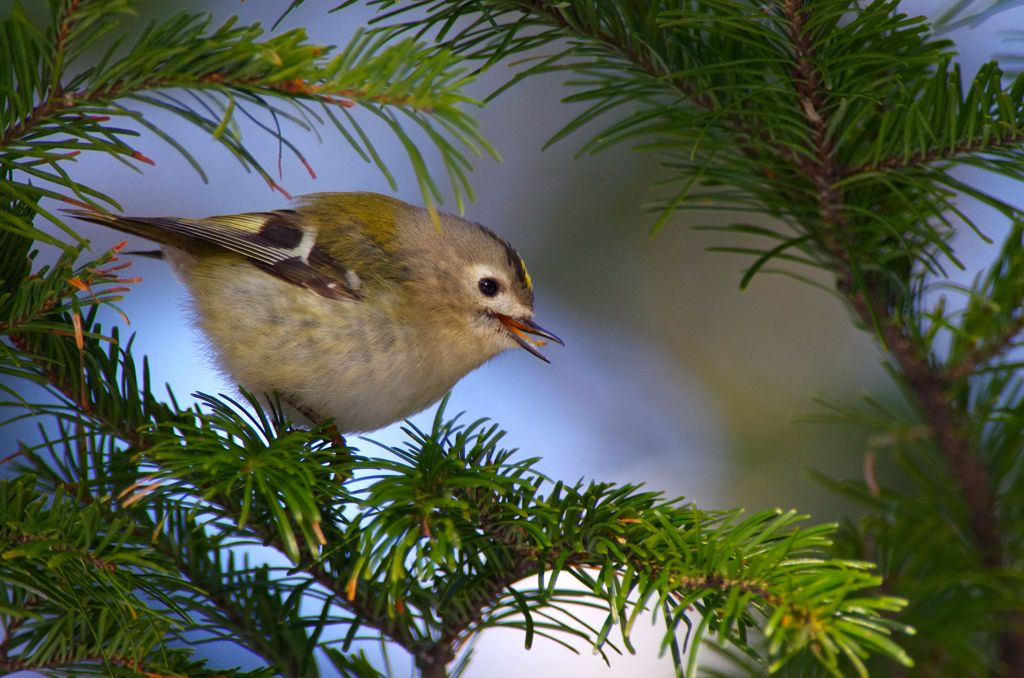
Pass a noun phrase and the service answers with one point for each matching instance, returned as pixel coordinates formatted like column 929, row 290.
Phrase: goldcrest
column 354, row 306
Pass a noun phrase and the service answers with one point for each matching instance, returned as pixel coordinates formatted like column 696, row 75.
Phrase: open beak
column 521, row 328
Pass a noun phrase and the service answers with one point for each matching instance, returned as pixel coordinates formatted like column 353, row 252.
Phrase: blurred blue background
column 671, row 376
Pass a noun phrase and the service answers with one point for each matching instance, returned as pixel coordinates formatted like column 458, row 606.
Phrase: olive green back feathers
column 337, row 245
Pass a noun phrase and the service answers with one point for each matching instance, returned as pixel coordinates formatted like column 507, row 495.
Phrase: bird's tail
column 151, row 228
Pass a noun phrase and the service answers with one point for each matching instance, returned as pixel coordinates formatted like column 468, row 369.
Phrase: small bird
column 354, row 306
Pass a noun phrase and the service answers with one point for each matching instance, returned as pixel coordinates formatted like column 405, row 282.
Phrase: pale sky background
column 671, row 376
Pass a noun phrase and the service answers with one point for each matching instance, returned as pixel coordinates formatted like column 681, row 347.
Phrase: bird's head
column 476, row 286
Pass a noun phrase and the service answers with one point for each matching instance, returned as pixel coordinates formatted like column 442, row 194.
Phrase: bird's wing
column 279, row 242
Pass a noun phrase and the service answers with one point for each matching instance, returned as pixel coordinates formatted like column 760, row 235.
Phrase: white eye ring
column 489, row 287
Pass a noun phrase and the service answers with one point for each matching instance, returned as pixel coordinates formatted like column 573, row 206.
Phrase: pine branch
column 992, row 322
column 65, row 578
column 1009, row 141
column 759, row 103
column 618, row 519
column 860, row 115
column 60, row 101
column 987, row 352
column 108, row 661
column 56, row 112
column 933, row 394
column 243, row 627
column 926, row 384
column 633, row 56
column 821, row 167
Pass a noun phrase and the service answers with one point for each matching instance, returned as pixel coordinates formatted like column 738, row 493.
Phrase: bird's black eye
column 488, row 286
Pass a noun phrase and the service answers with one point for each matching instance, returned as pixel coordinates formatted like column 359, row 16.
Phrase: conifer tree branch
column 931, row 390
column 60, row 102
column 58, row 112
column 527, row 561
column 927, row 384
column 745, row 134
column 866, row 297
column 855, row 158
column 237, row 620
column 16, row 665
column 987, row 351
column 432, row 652
column 822, row 169
column 661, row 553
column 361, row 600
column 1010, row 141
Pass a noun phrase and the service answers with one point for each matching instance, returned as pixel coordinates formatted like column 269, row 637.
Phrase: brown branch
column 987, row 351
column 936, row 154
column 822, row 168
column 948, row 427
column 59, row 102
column 11, row 625
column 55, row 100
column 87, row 557
column 357, row 600
column 9, row 664
column 61, row 43
column 434, row 663
column 869, row 302
column 66, row 389
column 13, row 665
column 529, row 561
column 555, row 15
column 928, row 384
column 6, row 327
column 241, row 622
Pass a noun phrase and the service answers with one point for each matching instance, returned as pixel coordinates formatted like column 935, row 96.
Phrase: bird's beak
column 521, row 327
